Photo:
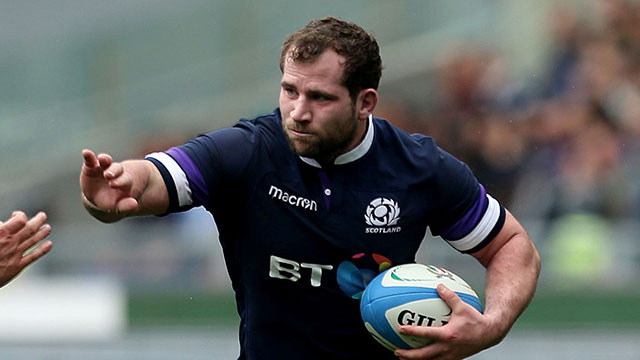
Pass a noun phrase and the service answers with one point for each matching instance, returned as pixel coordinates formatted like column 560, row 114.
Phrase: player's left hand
column 467, row 332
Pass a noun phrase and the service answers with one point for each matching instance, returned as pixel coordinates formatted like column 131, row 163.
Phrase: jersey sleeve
column 470, row 218
column 196, row 172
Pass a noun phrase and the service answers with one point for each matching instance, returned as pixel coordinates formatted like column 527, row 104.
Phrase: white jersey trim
column 482, row 230
column 179, row 177
column 353, row 154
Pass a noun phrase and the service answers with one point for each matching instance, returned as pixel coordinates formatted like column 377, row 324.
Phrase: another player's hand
column 468, row 332
column 106, row 184
column 17, row 235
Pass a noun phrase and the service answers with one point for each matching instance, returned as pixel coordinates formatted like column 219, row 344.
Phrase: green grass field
column 582, row 310
column 182, row 310
column 554, row 311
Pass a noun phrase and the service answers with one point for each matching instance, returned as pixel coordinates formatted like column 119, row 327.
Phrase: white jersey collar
column 353, row 154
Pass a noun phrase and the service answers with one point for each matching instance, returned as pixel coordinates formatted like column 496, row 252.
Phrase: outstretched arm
column 17, row 235
column 513, row 266
column 114, row 190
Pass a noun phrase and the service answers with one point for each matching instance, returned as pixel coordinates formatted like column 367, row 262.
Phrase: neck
column 359, row 135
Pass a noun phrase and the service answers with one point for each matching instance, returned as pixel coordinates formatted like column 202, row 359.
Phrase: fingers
column 91, row 166
column 32, row 226
column 126, row 205
column 455, row 340
column 432, row 352
column 93, row 162
column 34, row 231
column 438, row 334
column 451, row 298
column 15, row 223
column 36, row 253
column 17, row 236
column 435, row 332
column 430, row 332
column 29, row 241
column 105, row 160
column 90, row 159
column 120, row 180
column 100, row 170
column 113, row 170
column 22, row 231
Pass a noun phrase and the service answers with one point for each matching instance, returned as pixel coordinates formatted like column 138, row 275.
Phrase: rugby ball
column 406, row 295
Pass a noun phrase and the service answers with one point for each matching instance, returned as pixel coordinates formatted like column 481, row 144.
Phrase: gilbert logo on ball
column 406, row 295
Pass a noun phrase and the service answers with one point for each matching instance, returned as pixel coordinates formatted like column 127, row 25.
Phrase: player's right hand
column 106, row 184
column 17, row 235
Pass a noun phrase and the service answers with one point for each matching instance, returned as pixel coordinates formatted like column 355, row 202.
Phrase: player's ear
column 366, row 102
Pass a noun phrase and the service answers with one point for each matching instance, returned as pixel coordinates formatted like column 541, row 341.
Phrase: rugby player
column 315, row 184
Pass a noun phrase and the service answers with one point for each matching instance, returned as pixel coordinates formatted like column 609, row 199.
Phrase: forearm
column 512, row 275
column 153, row 198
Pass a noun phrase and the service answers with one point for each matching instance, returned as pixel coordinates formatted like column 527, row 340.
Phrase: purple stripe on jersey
column 469, row 221
column 196, row 181
column 326, row 184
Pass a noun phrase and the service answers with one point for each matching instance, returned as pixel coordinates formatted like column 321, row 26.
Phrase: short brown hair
column 363, row 67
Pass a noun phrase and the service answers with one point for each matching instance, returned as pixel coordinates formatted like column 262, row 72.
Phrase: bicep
column 511, row 231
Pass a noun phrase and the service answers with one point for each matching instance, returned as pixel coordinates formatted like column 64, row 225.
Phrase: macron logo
column 294, row 200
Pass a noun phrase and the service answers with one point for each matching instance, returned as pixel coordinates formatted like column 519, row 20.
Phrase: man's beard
column 326, row 149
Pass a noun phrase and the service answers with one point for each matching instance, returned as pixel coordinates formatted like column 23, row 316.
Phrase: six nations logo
column 382, row 214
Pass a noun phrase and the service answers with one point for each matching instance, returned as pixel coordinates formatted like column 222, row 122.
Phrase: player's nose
column 301, row 111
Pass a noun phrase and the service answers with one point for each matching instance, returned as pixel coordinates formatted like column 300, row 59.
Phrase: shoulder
column 417, row 150
column 241, row 139
column 246, row 130
column 269, row 124
column 449, row 182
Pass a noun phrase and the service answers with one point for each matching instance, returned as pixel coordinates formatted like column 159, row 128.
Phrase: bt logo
column 352, row 276
column 281, row 268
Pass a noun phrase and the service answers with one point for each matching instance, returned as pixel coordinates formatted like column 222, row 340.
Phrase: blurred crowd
column 561, row 147
column 563, row 142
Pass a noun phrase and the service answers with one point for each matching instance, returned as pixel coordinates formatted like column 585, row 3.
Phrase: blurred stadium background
column 540, row 98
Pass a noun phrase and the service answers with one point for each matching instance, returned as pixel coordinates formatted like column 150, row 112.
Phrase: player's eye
column 321, row 97
column 290, row 92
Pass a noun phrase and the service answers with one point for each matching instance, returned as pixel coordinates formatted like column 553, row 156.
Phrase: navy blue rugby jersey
column 300, row 241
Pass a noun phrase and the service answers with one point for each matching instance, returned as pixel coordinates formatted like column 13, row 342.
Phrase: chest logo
column 293, row 200
column 383, row 214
